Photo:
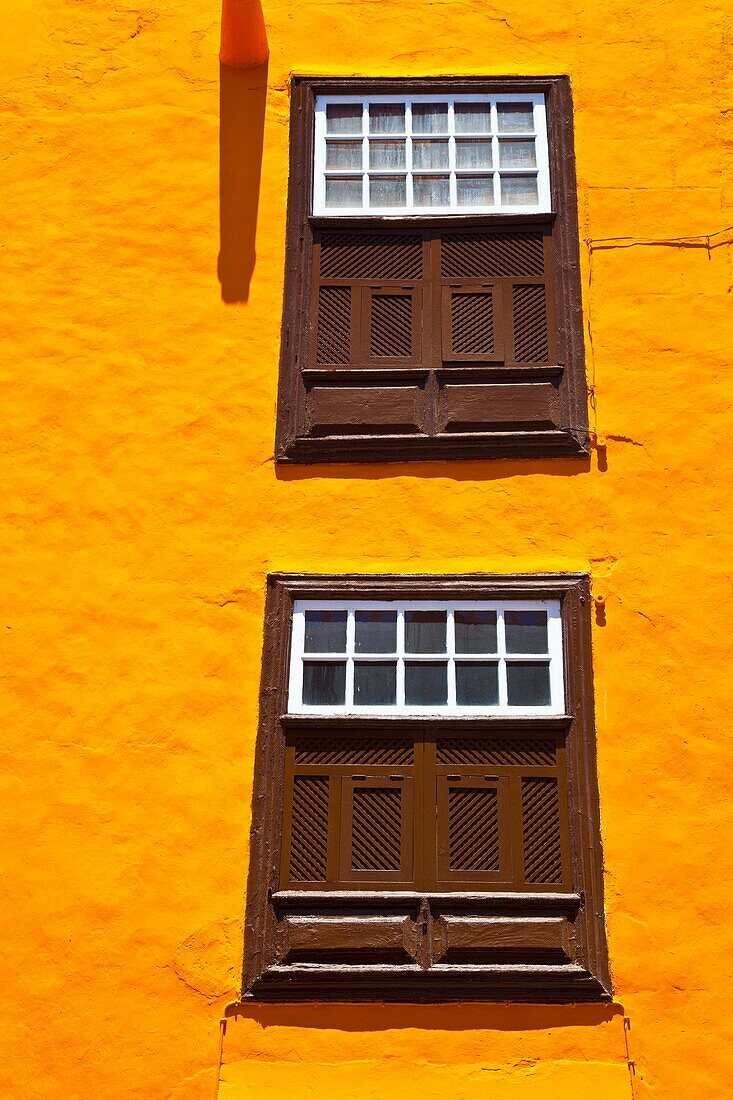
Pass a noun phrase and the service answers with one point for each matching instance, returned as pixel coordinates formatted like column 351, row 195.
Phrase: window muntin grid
column 417, row 666
column 431, row 154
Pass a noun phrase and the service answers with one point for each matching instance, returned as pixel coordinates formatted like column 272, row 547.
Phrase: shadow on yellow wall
column 242, row 96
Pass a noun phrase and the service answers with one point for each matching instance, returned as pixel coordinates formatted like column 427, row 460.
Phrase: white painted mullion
column 496, row 178
column 409, row 195
column 452, row 182
column 451, row 652
column 400, row 658
column 295, row 687
column 501, row 647
column 365, row 155
column 555, row 646
column 350, row 635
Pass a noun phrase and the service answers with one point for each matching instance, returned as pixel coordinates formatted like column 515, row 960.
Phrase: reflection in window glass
column 473, row 118
column 387, row 191
column 526, row 631
column 375, row 631
column 324, row 683
column 426, row 683
column 519, row 190
column 387, row 118
column 430, row 154
column 475, row 192
column 386, row 154
column 477, row 683
column 375, row 683
column 515, row 118
column 475, row 631
column 431, row 191
column 325, row 631
column 344, row 118
column 429, row 118
column 343, row 193
column 425, row 631
column 343, row 154
column 528, row 683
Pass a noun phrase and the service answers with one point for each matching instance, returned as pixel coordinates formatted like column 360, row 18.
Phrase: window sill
column 448, row 446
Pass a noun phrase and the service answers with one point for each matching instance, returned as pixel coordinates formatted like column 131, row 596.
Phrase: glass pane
column 528, row 684
column 343, row 192
column 324, row 683
column 475, row 631
column 343, row 154
column 343, row 118
column 517, row 154
column 375, row 683
column 430, row 154
column 386, row 154
column 519, row 190
column 516, row 118
column 325, row 631
column 430, row 118
column 477, row 684
column 426, row 683
column 375, row 631
column 526, row 631
column 473, row 154
column 387, row 191
column 475, row 192
column 431, row 191
column 425, row 631
column 386, row 118
column 473, row 118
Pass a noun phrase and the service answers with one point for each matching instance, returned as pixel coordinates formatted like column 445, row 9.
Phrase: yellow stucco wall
column 144, row 511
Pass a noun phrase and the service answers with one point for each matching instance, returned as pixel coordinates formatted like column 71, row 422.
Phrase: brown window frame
column 384, row 940
column 463, row 411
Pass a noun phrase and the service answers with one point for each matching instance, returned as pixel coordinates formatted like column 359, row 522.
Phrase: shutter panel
column 541, row 833
column 366, row 299
column 309, row 828
column 472, row 324
column 485, row 752
column 376, row 830
column 391, row 326
column 472, row 829
column 333, row 342
column 514, row 324
column 529, row 322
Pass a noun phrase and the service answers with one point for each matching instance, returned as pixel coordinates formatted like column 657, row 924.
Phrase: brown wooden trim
column 586, row 977
column 383, row 439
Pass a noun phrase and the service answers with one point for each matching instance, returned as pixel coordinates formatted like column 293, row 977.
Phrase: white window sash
column 453, row 174
column 554, row 656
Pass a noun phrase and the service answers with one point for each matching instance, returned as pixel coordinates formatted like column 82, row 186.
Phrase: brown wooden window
column 428, row 852
column 432, row 296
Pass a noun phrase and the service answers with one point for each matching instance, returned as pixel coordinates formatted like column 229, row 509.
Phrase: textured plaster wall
column 143, row 512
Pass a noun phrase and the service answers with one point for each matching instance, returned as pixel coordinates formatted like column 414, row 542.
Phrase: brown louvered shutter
column 541, row 831
column 349, row 814
column 377, row 829
column 496, row 300
column 308, row 847
column 472, row 829
column 368, row 299
column 434, row 332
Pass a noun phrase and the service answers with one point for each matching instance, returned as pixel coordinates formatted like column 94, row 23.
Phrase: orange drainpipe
column 243, row 35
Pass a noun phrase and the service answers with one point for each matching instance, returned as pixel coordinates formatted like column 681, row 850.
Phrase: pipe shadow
column 242, row 99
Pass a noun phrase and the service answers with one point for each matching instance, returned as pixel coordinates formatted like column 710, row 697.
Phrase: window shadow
column 242, row 98
column 470, row 470
column 447, row 1017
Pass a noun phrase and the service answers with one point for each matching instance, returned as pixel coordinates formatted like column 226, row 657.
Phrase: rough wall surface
column 144, row 511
